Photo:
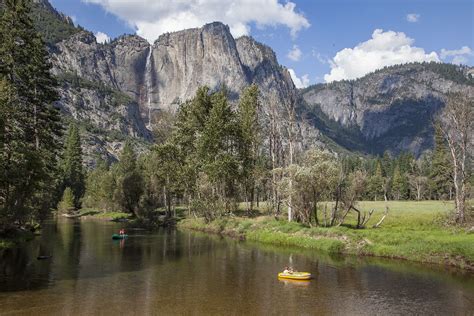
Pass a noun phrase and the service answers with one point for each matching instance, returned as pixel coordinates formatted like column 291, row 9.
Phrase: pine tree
column 217, row 148
column 129, row 180
column 29, row 140
column 249, row 140
column 387, row 165
column 399, row 184
column 72, row 169
column 67, row 204
column 440, row 179
column 377, row 183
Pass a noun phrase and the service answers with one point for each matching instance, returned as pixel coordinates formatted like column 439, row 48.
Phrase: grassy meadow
column 412, row 230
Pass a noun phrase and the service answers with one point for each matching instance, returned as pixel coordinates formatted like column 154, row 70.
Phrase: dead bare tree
column 356, row 187
column 290, row 127
column 384, row 214
column 418, row 184
column 456, row 124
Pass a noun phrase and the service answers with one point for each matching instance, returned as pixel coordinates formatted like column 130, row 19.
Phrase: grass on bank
column 413, row 230
column 15, row 238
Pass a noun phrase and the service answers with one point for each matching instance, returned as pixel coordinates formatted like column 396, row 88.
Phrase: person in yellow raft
column 288, row 270
column 289, row 273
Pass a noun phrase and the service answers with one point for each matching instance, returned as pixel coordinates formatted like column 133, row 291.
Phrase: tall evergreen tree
column 247, row 116
column 399, row 184
column 73, row 173
column 100, row 187
column 29, row 139
column 377, row 183
column 129, row 180
column 440, row 178
column 218, row 148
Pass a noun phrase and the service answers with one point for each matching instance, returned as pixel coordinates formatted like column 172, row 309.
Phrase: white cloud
column 152, row 18
column 459, row 56
column 458, row 60
column 302, row 82
column 319, row 57
column 102, row 37
column 465, row 50
column 413, row 17
column 295, row 53
column 383, row 49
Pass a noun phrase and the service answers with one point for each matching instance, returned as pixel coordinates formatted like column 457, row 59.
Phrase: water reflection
column 181, row 272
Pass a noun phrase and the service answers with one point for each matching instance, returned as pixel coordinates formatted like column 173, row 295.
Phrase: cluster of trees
column 54, row 26
column 34, row 169
column 404, row 177
column 210, row 162
column 30, row 129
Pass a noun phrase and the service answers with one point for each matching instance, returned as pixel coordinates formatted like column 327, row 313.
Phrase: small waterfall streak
column 149, row 84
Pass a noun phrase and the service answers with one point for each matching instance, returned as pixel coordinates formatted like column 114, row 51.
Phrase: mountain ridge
column 390, row 109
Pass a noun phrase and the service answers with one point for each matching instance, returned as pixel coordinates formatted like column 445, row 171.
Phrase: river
column 181, row 272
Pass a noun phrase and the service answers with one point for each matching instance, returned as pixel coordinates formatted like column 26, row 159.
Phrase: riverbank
column 15, row 238
column 99, row 215
column 129, row 220
column 414, row 231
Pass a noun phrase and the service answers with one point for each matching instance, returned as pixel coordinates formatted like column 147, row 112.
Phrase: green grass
column 6, row 243
column 93, row 213
column 414, row 231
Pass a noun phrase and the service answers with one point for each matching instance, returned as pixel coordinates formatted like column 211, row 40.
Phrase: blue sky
column 323, row 35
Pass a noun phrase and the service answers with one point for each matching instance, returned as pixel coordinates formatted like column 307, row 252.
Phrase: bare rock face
column 391, row 109
column 263, row 69
column 92, row 77
column 178, row 65
column 186, row 60
column 169, row 72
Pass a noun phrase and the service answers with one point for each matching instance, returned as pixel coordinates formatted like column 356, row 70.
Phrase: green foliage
column 250, row 141
column 71, row 164
column 129, row 181
column 376, row 186
column 440, row 175
column 67, row 203
column 312, row 181
column 100, row 187
column 399, row 184
column 30, row 126
column 53, row 26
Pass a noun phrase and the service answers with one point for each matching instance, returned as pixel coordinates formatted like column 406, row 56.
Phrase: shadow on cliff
column 406, row 123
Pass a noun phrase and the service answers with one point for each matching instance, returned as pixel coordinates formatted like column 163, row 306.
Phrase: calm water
column 174, row 272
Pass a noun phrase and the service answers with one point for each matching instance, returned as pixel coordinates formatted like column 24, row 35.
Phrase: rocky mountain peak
column 389, row 109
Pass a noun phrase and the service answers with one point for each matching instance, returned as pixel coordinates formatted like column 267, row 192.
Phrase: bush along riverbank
column 428, row 243
column 14, row 237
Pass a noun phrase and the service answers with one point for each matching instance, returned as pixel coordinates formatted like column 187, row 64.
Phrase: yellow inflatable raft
column 295, row 275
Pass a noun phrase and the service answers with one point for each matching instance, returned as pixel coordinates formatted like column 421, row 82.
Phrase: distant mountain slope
column 390, row 109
